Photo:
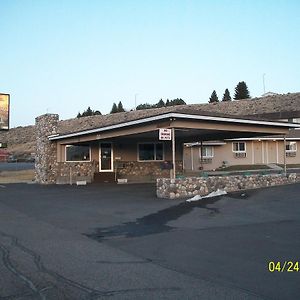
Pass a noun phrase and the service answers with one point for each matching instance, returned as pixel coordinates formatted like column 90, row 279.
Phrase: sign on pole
column 165, row 134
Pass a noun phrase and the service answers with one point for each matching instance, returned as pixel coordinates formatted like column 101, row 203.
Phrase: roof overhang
column 281, row 126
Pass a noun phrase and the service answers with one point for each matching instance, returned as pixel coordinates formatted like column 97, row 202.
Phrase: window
column 77, row 153
column 207, row 152
column 239, row 147
column 150, row 151
column 291, row 147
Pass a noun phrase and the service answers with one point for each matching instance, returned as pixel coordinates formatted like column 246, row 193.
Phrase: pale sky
column 63, row 56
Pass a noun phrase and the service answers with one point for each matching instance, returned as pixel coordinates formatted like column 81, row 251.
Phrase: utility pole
column 135, row 97
column 264, row 83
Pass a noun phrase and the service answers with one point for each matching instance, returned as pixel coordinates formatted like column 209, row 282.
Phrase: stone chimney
column 45, row 159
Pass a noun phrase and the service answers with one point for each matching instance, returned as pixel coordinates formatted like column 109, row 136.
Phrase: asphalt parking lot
column 121, row 242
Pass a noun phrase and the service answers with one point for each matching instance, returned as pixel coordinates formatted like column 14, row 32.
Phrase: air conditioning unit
column 206, row 160
column 240, row 154
column 290, row 154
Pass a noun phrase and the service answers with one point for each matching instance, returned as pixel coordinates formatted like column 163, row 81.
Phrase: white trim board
column 263, row 139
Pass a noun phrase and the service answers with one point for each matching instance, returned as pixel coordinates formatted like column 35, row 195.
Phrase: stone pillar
column 45, row 159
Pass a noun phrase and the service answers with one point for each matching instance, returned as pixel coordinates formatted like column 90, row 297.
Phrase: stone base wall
column 189, row 187
column 70, row 172
column 150, row 170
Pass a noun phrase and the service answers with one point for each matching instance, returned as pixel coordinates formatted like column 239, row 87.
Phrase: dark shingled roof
column 270, row 107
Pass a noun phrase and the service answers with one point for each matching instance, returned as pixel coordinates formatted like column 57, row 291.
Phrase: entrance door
column 258, row 154
column 272, row 152
column 106, row 157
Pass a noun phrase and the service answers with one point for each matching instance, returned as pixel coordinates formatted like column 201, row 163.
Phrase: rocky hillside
column 21, row 140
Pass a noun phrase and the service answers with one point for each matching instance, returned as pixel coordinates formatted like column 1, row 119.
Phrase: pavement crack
column 128, row 291
column 92, row 294
column 165, row 265
column 41, row 267
column 9, row 266
column 144, row 261
column 17, row 296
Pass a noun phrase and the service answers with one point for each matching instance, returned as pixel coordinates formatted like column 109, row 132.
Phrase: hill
column 21, row 140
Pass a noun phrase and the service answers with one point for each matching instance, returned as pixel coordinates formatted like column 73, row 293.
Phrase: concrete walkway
column 275, row 167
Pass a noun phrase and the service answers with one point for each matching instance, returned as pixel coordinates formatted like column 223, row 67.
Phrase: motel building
column 149, row 144
column 259, row 151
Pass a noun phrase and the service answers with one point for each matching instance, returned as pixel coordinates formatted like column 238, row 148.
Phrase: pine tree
column 88, row 112
column 177, row 101
column 241, row 91
column 160, row 103
column 114, row 109
column 214, row 97
column 120, row 107
column 226, row 96
column 144, row 106
column 168, row 102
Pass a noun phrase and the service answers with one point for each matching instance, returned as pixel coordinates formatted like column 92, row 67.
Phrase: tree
column 143, row 106
column 241, row 91
column 88, row 112
column 160, row 103
column 214, row 97
column 226, row 96
column 114, row 109
column 177, row 101
column 120, row 107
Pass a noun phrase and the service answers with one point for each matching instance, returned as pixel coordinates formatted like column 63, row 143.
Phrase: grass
column 16, row 176
column 244, row 168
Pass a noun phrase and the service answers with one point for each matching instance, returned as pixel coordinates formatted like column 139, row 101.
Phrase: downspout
column 252, row 149
column 192, row 158
column 284, row 153
column 201, row 157
column 277, row 153
column 173, row 153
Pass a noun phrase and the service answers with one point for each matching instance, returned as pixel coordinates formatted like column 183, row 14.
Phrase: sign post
column 166, row 134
